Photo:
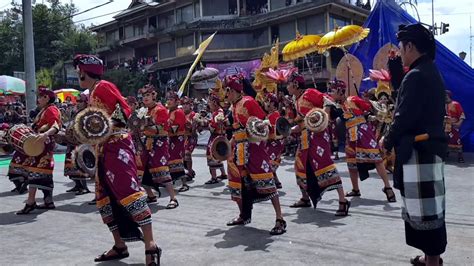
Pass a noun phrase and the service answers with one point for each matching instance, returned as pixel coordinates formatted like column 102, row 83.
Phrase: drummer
column 39, row 170
column 70, row 167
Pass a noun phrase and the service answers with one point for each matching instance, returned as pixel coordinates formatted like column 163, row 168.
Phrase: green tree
column 127, row 82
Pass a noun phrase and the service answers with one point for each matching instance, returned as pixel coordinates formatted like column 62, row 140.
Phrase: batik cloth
column 176, row 160
column 189, row 146
column 152, row 162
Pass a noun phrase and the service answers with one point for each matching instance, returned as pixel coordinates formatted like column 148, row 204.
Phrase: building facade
column 162, row 36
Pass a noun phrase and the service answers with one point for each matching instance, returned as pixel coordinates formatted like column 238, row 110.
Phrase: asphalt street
column 196, row 233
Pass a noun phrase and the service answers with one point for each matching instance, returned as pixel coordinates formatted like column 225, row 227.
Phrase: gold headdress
column 262, row 83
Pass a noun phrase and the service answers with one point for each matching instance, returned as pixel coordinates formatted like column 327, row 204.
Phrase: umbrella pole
column 350, row 71
column 310, row 71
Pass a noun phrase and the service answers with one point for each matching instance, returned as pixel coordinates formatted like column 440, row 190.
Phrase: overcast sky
column 455, row 12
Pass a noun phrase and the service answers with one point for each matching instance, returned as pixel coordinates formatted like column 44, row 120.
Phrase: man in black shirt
column 417, row 134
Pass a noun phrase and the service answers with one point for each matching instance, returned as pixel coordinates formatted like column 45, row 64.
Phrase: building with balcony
column 162, row 35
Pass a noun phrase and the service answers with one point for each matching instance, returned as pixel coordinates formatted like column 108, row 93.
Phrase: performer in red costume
column 217, row 125
column 191, row 136
column 275, row 143
column 177, row 123
column 250, row 174
column 153, row 148
column 316, row 172
column 38, row 170
column 120, row 200
column 454, row 118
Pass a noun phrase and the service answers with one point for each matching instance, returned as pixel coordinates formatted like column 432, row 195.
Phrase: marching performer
column 70, row 168
column 217, row 126
column 191, row 135
column 39, row 169
column 121, row 202
column 275, row 143
column 362, row 149
column 455, row 117
column 177, row 122
column 250, row 174
column 153, row 153
column 316, row 172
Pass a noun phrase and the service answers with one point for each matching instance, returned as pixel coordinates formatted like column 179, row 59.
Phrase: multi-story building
column 163, row 35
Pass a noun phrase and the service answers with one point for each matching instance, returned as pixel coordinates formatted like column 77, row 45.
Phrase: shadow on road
column 8, row 218
column 316, row 217
column 252, row 238
column 357, row 201
column 117, row 262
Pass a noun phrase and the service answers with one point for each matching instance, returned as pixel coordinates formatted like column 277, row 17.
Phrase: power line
column 104, row 15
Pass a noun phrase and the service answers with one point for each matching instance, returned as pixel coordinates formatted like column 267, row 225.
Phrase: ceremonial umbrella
column 341, row 37
column 11, row 85
column 300, row 47
column 64, row 93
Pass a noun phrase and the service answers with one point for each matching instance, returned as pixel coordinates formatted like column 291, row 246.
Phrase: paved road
column 196, row 234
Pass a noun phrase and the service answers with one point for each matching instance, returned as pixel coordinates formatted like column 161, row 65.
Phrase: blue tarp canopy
column 383, row 22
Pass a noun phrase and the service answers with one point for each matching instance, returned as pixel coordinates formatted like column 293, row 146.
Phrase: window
column 111, row 37
column 239, row 40
column 185, row 14
column 129, row 31
column 139, row 28
column 121, row 36
column 315, row 24
column 167, row 50
column 276, row 4
column 337, row 21
column 287, row 31
column 152, row 24
column 165, row 20
column 219, row 8
column 197, row 10
column 185, row 45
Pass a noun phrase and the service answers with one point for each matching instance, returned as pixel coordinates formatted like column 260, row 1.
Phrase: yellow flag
column 199, row 52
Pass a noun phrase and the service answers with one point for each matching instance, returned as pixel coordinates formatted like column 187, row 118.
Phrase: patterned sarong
column 120, row 200
column 39, row 169
column 314, row 154
column 454, row 140
column 361, row 145
column 70, row 167
column 176, row 162
column 154, row 158
column 16, row 170
column 275, row 148
column 189, row 146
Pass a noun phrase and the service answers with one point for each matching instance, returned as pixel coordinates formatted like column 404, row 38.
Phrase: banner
column 246, row 68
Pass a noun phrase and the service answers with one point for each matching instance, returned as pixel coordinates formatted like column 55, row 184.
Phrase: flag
column 199, row 52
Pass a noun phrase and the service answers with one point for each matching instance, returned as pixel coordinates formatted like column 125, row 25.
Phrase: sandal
column 280, row 227
column 151, row 199
column 343, row 208
column 416, row 261
column 155, row 256
column 460, row 160
column 302, row 203
column 74, row 189
column 278, row 185
column 391, row 198
column 46, row 206
column 212, row 181
column 353, row 193
column 27, row 209
column 121, row 254
column 92, row 202
column 184, row 188
column 222, row 177
column 173, row 204
column 238, row 221
column 82, row 192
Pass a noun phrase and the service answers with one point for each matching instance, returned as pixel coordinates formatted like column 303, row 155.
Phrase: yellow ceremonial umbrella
column 341, row 37
column 300, row 47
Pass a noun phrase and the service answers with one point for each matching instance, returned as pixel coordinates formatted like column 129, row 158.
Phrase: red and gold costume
column 315, row 170
column 275, row 143
column 250, row 172
column 152, row 157
column 117, row 185
column 454, row 114
column 217, row 129
column 191, row 136
column 177, row 123
column 361, row 144
column 38, row 171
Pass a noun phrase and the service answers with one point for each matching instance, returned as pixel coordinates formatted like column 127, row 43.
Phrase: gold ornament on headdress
column 382, row 86
column 262, row 84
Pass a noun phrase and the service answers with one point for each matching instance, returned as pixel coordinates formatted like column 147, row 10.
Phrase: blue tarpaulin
column 383, row 22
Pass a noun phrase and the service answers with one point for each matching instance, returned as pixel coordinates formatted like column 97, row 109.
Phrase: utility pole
column 29, row 56
column 432, row 17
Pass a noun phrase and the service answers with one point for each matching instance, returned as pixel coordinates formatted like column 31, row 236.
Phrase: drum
column 92, row 126
column 257, row 129
column 25, row 140
column 220, row 148
column 5, row 148
column 86, row 159
column 316, row 120
column 70, row 136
